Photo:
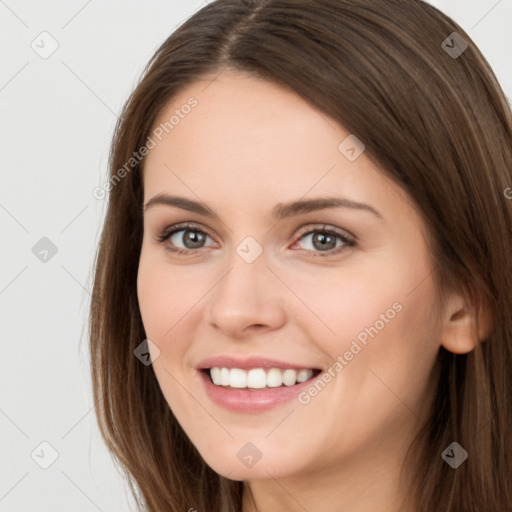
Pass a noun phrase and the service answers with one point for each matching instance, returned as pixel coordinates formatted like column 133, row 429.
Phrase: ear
column 467, row 322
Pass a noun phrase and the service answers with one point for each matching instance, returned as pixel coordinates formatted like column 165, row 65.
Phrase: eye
column 321, row 239
column 188, row 235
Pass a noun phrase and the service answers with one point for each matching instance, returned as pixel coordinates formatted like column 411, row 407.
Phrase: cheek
column 154, row 304
column 349, row 300
column 170, row 302
column 161, row 303
column 379, row 318
column 164, row 294
column 164, row 301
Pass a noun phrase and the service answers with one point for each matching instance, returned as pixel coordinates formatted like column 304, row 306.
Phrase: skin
column 247, row 146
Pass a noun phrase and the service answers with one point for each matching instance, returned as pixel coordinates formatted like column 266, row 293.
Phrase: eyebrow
column 279, row 212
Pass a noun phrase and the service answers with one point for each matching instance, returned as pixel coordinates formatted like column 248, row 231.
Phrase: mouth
column 258, row 379
column 255, row 384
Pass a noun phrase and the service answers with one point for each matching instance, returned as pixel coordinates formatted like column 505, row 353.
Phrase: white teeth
column 274, row 378
column 215, row 374
column 258, row 378
column 303, row 375
column 289, row 377
column 237, row 378
column 224, row 377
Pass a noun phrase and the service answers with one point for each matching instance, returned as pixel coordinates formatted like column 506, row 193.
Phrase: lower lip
column 243, row 400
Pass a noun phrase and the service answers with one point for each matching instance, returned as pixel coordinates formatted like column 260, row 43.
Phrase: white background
column 57, row 117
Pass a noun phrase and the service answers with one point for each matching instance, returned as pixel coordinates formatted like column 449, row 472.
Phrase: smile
column 258, row 378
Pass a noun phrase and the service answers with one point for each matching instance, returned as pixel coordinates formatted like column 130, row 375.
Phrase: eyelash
column 347, row 240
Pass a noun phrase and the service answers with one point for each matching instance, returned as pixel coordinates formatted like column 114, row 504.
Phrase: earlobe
column 467, row 323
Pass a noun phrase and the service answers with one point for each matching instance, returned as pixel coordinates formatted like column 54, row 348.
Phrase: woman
column 308, row 236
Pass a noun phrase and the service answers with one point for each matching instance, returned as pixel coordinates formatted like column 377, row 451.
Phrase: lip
column 246, row 401
column 249, row 363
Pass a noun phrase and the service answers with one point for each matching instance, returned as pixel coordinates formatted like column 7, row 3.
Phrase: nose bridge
column 247, row 266
column 246, row 295
column 243, row 287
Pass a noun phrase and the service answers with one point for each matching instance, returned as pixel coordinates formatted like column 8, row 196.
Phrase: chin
column 247, row 462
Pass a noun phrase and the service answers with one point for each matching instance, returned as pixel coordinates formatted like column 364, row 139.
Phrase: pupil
column 192, row 239
column 324, row 241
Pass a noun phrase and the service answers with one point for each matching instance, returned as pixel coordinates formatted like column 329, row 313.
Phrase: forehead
column 246, row 140
column 238, row 117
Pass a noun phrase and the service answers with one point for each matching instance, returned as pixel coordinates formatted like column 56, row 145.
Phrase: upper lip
column 248, row 363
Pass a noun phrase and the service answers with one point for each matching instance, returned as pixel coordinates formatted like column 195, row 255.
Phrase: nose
column 247, row 299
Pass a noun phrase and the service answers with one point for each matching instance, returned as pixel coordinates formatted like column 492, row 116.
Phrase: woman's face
column 272, row 280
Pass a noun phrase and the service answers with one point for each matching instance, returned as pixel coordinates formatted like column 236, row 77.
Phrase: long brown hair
column 439, row 126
